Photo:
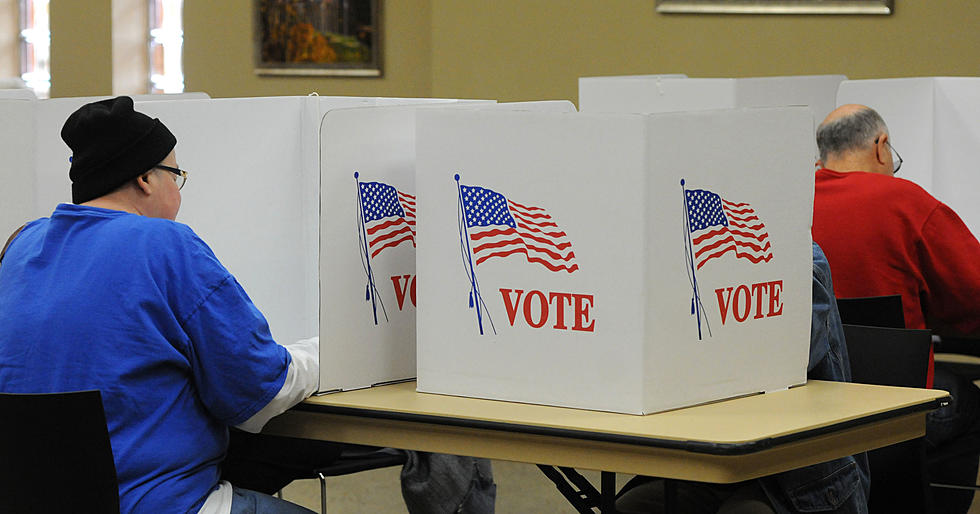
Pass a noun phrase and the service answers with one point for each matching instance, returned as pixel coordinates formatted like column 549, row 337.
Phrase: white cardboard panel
column 250, row 196
column 645, row 95
column 934, row 123
column 17, row 164
column 368, row 333
column 957, row 152
column 669, row 94
column 611, row 184
column 17, row 94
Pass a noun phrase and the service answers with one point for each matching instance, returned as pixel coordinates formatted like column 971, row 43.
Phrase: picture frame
column 318, row 37
column 776, row 6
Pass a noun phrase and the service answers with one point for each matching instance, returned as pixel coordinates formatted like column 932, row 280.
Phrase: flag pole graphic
column 475, row 299
column 371, row 289
column 696, row 295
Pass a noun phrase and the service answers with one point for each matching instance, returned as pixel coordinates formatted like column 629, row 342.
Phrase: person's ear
column 881, row 147
column 143, row 183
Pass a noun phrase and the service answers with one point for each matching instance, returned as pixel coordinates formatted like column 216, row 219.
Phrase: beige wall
column 9, row 39
column 81, row 48
column 520, row 50
column 218, row 54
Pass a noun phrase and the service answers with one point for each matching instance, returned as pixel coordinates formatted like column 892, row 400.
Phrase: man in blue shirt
column 110, row 293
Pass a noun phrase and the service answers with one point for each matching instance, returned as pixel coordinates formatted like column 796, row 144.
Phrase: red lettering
column 560, row 299
column 758, row 290
column 511, row 306
column 775, row 287
column 414, row 302
column 542, row 309
column 736, row 311
column 723, row 302
column 582, row 304
column 400, row 291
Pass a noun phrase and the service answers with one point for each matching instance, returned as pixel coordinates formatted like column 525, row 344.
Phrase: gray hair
column 850, row 132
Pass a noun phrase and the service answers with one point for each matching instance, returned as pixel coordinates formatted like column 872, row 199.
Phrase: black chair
column 354, row 459
column 55, row 454
column 872, row 311
column 893, row 357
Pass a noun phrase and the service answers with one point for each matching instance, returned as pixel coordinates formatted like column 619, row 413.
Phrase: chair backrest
column 55, row 454
column 888, row 356
column 872, row 311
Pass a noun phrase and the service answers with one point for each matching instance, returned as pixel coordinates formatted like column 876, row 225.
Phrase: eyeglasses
column 181, row 175
column 896, row 159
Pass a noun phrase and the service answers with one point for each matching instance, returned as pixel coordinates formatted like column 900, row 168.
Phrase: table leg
column 607, row 497
column 583, row 501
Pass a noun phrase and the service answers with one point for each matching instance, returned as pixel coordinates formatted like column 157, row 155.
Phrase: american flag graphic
column 499, row 227
column 389, row 216
column 718, row 226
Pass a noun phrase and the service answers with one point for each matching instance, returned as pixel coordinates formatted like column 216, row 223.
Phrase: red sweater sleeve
column 950, row 262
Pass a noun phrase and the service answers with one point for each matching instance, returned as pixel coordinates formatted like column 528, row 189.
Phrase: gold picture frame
column 776, row 6
column 318, row 37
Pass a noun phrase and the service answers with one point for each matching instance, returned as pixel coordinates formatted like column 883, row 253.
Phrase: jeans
column 435, row 483
column 431, row 483
column 245, row 501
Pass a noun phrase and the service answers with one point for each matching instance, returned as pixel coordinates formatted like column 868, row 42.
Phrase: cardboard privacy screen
column 934, row 124
column 368, row 241
column 627, row 263
column 671, row 94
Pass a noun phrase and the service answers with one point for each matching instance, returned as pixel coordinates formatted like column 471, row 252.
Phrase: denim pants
column 245, row 501
column 431, row 483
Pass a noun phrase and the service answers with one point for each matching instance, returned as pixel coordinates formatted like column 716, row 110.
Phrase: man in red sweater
column 885, row 235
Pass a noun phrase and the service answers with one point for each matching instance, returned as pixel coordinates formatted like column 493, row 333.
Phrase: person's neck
column 847, row 165
column 115, row 203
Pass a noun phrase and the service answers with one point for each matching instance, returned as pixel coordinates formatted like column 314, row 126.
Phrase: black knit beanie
column 112, row 143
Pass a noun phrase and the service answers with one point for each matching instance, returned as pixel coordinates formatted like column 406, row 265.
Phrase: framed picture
column 777, row 6
column 318, row 37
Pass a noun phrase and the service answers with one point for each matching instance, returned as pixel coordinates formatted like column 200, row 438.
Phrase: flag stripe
column 539, row 231
column 393, row 244
column 547, row 264
column 744, row 244
column 379, row 225
column 388, row 235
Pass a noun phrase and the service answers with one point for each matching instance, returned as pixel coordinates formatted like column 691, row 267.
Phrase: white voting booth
column 666, row 93
column 934, row 124
column 368, row 237
column 562, row 261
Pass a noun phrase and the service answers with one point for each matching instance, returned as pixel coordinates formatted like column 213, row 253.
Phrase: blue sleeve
column 828, row 351
column 237, row 367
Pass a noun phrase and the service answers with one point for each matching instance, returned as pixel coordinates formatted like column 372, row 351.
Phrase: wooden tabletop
column 723, row 441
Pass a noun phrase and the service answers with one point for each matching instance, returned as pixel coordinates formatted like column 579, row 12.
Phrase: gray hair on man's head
column 849, row 132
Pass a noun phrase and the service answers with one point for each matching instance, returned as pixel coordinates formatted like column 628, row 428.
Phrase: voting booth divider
column 668, row 93
column 368, row 240
column 934, row 124
column 617, row 262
